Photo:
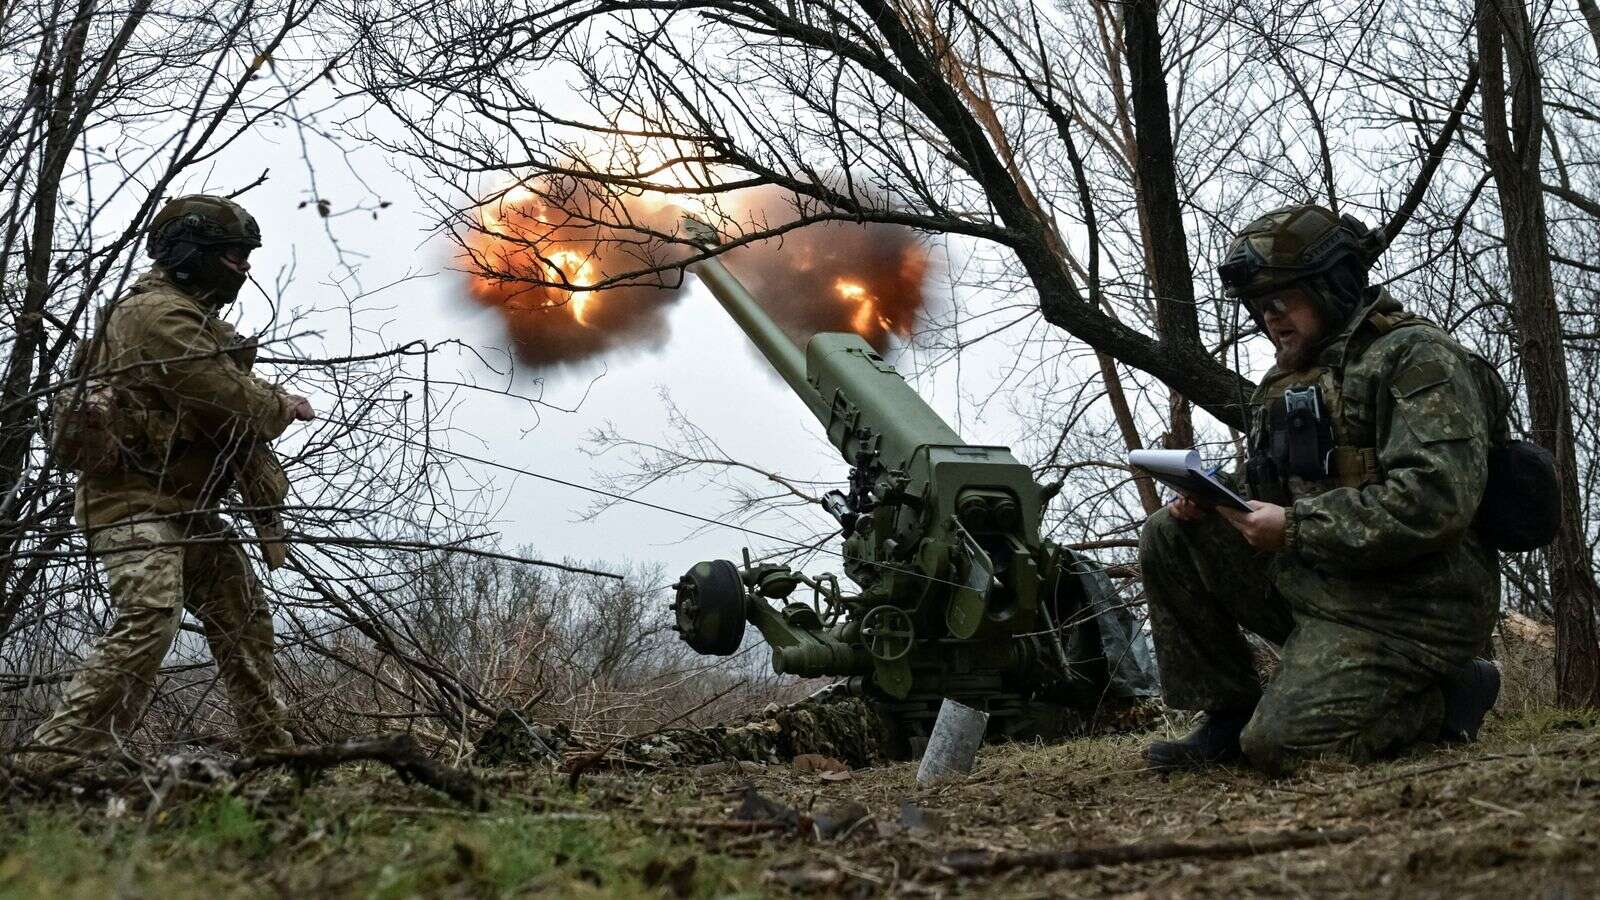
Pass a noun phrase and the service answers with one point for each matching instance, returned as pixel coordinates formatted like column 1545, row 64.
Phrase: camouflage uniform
column 1383, row 586
column 201, row 420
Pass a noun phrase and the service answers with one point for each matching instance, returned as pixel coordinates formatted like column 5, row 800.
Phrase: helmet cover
column 189, row 235
column 1306, row 245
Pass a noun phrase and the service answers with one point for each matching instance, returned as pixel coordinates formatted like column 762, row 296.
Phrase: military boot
column 1215, row 740
column 1469, row 694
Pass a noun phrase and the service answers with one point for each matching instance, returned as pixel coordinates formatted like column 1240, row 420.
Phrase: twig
column 1431, row 160
column 397, row 751
column 990, row 862
column 578, row 765
column 720, row 824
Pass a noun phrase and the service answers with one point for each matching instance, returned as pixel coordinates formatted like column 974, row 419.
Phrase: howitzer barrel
column 780, row 352
column 958, row 590
column 840, row 378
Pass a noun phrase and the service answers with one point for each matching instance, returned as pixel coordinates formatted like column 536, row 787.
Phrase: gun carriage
column 958, row 596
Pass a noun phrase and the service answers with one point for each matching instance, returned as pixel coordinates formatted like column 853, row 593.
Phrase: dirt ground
column 1513, row 815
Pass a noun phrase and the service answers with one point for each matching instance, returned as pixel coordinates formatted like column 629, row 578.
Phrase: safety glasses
column 1275, row 302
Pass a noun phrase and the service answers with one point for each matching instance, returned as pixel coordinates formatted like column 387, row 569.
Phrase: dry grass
column 1526, row 652
column 1511, row 815
column 1514, row 814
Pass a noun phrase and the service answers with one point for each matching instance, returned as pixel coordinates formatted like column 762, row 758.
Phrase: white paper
column 1183, row 470
column 1167, row 462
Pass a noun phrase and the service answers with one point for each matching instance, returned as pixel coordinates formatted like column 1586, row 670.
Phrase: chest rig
column 1313, row 431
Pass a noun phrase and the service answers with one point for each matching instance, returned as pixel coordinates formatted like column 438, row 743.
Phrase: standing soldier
column 1369, row 445
column 165, row 421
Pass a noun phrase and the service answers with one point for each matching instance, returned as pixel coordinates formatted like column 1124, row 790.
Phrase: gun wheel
column 888, row 633
column 710, row 608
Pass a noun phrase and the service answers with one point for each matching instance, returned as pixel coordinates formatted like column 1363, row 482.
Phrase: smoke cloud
column 835, row 276
column 823, row 277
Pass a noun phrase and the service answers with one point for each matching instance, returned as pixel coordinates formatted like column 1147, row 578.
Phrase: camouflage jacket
column 202, row 419
column 1387, row 541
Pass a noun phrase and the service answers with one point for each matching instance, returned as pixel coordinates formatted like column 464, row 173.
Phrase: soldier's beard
column 1296, row 356
column 1299, row 345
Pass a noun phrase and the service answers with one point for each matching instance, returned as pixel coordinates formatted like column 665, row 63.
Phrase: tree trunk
column 1505, row 43
column 1149, row 498
column 1591, row 14
column 1184, row 366
column 1156, row 181
column 18, row 413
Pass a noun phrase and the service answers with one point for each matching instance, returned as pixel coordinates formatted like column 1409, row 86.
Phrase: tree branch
column 995, row 862
column 1431, row 161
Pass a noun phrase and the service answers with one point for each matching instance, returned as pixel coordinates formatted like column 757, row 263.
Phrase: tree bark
column 1149, row 498
column 1505, row 44
column 1591, row 14
column 18, row 414
column 1156, row 180
column 1186, row 367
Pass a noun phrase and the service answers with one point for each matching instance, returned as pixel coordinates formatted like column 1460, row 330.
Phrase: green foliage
column 339, row 841
column 50, row 854
column 1532, row 725
column 225, row 824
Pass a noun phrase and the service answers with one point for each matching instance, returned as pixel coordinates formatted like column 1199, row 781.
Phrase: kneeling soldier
column 1368, row 459
column 167, row 420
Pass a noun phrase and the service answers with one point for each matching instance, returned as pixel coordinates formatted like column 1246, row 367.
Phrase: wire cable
column 434, row 448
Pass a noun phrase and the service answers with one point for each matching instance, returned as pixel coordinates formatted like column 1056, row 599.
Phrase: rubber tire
column 718, row 628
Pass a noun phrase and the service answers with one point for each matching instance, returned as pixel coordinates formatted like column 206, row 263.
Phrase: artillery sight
column 958, row 595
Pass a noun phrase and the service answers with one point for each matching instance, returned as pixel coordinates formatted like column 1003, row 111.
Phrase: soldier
column 179, row 421
column 1367, row 462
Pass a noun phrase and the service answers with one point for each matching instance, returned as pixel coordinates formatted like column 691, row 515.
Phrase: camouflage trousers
column 1341, row 690
column 154, row 577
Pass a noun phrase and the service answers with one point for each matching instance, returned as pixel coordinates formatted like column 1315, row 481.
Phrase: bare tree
column 1095, row 156
column 680, row 123
column 1166, row 240
column 1506, row 43
column 1088, row 161
column 111, row 109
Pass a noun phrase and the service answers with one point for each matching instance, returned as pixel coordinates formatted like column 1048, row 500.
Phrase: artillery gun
column 958, row 595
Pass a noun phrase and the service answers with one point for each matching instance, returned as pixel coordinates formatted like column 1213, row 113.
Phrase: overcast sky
column 709, row 368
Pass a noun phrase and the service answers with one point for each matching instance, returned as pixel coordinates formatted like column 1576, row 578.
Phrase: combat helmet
column 1306, row 245
column 188, row 236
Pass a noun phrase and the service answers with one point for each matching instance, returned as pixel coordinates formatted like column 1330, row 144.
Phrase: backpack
column 99, row 426
column 1521, row 505
column 87, row 420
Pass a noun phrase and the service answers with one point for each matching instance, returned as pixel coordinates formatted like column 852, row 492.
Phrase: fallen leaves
column 816, row 762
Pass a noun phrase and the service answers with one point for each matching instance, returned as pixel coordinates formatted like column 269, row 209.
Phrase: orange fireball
column 536, row 254
column 539, row 253
column 866, row 321
column 515, row 242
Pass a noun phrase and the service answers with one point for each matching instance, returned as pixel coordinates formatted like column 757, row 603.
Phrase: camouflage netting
column 514, row 740
column 847, row 730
